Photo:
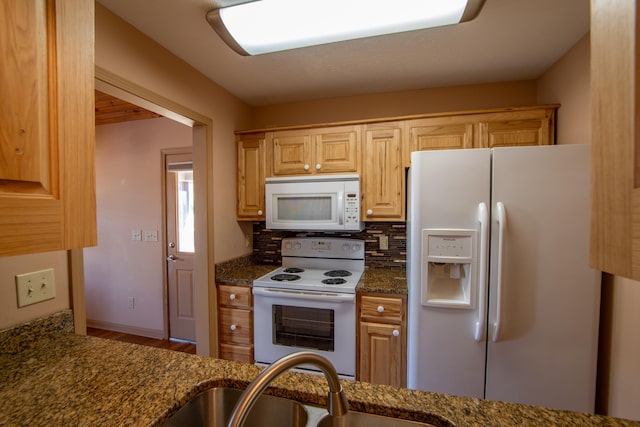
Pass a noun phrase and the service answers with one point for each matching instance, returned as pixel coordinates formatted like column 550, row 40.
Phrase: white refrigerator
column 502, row 304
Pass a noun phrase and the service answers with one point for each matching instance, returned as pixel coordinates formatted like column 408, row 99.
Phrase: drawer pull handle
column 396, row 333
column 380, row 309
column 232, row 297
column 232, row 327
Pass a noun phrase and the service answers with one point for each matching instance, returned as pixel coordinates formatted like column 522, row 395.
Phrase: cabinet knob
column 259, row 213
column 232, row 327
column 306, row 167
column 318, row 166
column 380, row 309
column 232, row 297
column 396, row 333
column 369, row 211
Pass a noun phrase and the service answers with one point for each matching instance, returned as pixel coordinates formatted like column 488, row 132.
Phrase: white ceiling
column 509, row 40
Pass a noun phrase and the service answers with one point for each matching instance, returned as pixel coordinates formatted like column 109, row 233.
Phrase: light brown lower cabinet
column 235, row 322
column 382, row 338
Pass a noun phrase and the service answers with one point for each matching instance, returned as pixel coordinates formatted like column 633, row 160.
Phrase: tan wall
column 129, row 196
column 126, row 52
column 10, row 314
column 458, row 98
column 567, row 83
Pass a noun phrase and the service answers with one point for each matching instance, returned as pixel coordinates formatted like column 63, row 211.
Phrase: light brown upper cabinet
column 315, row 151
column 382, row 183
column 251, row 174
column 47, row 142
column 615, row 115
column 378, row 150
column 514, row 128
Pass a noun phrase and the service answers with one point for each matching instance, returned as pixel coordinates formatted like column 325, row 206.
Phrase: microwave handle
column 341, row 208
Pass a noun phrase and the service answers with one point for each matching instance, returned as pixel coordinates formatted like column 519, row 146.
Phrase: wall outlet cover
column 35, row 287
column 150, row 235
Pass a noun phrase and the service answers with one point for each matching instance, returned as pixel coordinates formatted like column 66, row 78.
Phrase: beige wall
column 128, row 197
column 457, row 98
column 10, row 314
column 129, row 54
column 567, row 83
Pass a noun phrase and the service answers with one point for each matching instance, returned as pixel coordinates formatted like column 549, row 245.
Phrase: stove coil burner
column 285, row 277
column 336, row 281
column 338, row 273
column 293, row 270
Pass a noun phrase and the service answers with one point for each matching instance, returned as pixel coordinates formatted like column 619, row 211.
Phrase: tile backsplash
column 266, row 243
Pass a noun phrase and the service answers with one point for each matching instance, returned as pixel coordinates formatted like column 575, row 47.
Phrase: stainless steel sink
column 213, row 408
column 359, row 419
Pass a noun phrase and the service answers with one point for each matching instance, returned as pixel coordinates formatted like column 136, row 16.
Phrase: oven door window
column 303, row 327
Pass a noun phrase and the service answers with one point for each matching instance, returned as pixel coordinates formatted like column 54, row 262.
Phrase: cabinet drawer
column 235, row 296
column 239, row 353
column 381, row 309
column 236, row 326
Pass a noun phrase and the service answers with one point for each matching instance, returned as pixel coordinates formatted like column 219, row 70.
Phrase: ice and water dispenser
column 448, row 268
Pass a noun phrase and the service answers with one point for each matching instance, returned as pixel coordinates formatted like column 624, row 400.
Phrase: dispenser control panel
column 450, row 246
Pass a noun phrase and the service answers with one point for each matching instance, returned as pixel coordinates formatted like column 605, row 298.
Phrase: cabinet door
column 47, row 166
column 533, row 127
column 439, row 134
column 291, row 152
column 236, row 326
column 251, row 177
column 381, row 355
column 615, row 143
column 337, row 149
column 383, row 174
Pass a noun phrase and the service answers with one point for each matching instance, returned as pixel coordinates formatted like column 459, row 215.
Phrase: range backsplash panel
column 266, row 243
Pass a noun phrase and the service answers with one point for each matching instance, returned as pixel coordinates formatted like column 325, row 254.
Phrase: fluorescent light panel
column 264, row 26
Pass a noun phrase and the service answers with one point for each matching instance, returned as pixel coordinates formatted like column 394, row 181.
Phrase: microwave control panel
column 351, row 209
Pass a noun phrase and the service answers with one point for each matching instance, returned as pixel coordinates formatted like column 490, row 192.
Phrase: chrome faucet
column 337, row 404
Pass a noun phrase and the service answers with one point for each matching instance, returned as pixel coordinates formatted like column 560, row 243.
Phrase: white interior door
column 180, row 246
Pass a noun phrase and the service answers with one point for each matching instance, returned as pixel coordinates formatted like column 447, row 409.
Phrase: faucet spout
column 337, row 404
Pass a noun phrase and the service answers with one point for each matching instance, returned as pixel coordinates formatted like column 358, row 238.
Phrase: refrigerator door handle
column 501, row 218
column 483, row 219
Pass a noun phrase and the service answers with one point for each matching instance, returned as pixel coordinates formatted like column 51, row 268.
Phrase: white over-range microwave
column 321, row 203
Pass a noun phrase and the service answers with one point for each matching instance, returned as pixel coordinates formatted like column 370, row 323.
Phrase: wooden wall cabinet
column 517, row 128
column 47, row 138
column 251, row 172
column 315, row 151
column 615, row 145
column 382, row 183
column 382, row 339
column 235, row 322
column 383, row 148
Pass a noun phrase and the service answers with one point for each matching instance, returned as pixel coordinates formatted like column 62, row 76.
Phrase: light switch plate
column 35, row 287
column 150, row 235
column 136, row 234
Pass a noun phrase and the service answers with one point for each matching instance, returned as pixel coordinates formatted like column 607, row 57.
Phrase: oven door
column 286, row 321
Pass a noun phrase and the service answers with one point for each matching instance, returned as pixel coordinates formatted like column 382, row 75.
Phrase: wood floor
column 135, row 339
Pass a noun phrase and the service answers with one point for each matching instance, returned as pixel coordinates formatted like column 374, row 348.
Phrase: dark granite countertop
column 376, row 280
column 52, row 377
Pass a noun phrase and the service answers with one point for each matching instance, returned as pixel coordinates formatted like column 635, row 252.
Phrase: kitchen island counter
column 50, row 376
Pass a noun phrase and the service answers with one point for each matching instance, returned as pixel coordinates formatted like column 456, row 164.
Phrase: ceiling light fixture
column 254, row 27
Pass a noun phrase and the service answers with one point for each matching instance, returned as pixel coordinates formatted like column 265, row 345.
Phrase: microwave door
column 305, row 211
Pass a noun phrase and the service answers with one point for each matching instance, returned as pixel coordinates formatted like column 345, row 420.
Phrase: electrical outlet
column 136, row 234
column 132, row 302
column 35, row 287
column 384, row 242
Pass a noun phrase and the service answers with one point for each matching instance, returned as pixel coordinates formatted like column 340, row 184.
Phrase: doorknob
column 172, row 258
column 172, row 245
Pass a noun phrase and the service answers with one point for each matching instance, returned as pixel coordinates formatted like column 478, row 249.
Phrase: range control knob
column 297, row 245
column 346, row 247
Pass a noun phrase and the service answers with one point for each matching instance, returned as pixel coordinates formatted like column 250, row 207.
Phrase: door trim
column 206, row 330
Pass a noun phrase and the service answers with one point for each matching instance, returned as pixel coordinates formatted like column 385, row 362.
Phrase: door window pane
column 184, row 197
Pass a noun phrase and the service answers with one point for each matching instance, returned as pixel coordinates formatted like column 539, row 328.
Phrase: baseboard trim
column 126, row 329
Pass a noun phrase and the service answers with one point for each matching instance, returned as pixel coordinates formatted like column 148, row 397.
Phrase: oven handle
column 309, row 296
